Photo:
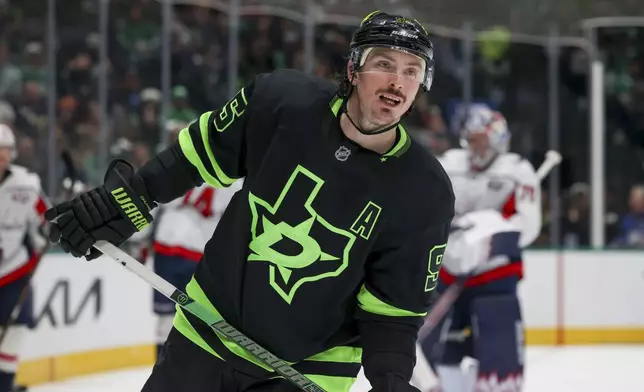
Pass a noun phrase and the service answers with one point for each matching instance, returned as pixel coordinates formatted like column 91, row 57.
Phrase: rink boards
column 96, row 316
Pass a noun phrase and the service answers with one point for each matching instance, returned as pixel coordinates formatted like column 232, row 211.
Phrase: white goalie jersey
column 21, row 210
column 504, row 198
column 183, row 226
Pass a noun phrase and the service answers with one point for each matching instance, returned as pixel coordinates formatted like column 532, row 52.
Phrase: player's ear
column 351, row 76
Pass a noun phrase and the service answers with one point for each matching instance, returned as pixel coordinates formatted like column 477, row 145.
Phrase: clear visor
column 409, row 67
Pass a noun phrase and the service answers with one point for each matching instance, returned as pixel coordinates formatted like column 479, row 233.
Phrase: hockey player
column 498, row 213
column 21, row 209
column 328, row 255
column 178, row 236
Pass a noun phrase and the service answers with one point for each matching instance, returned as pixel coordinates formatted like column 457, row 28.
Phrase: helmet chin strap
column 367, row 132
column 363, row 131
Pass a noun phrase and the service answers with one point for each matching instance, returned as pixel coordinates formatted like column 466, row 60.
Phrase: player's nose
column 396, row 81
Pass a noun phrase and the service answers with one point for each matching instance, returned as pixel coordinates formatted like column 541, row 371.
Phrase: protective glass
column 412, row 73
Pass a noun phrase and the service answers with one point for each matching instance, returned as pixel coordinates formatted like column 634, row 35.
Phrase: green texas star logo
column 305, row 248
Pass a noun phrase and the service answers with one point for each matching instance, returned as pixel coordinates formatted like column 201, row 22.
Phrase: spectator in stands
column 140, row 154
column 31, row 110
column 34, row 67
column 10, row 75
column 631, row 233
column 26, row 153
column 7, row 114
column 77, row 76
column 181, row 109
column 137, row 32
column 576, row 222
column 148, row 124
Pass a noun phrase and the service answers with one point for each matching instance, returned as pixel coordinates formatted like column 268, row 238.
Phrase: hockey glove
column 111, row 212
column 391, row 383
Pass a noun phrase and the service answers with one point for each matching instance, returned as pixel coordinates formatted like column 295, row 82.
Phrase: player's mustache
column 393, row 91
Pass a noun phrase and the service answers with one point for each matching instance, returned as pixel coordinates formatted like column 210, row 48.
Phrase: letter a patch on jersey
column 366, row 220
column 299, row 245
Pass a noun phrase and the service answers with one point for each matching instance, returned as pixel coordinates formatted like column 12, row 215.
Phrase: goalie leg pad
column 450, row 341
column 9, row 298
column 451, row 378
column 498, row 342
column 10, row 348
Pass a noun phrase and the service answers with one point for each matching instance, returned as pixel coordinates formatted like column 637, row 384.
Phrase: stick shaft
column 213, row 320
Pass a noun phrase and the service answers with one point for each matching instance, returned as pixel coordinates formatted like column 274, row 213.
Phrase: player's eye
column 411, row 72
column 383, row 64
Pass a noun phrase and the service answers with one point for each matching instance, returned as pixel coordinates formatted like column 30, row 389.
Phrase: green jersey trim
column 188, row 149
column 220, row 179
column 339, row 354
column 182, row 325
column 203, row 127
column 369, row 303
column 403, row 141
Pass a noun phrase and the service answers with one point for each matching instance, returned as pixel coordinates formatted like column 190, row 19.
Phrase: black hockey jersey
column 323, row 234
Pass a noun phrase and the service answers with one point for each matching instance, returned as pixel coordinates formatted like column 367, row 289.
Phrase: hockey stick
column 201, row 312
column 15, row 312
column 451, row 294
column 553, row 158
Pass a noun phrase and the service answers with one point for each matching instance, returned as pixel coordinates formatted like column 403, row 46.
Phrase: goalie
column 497, row 214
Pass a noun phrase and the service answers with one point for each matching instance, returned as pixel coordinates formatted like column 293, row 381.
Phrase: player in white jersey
column 178, row 236
column 21, row 210
column 498, row 213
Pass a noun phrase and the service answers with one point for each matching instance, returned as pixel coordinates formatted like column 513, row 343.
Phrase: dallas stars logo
column 305, row 249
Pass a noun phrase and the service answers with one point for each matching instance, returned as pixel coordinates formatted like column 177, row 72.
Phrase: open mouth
column 390, row 99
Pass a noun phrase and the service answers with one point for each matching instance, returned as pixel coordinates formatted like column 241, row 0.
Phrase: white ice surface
column 552, row 369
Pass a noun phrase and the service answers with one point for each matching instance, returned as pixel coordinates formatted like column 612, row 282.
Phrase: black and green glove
column 112, row 212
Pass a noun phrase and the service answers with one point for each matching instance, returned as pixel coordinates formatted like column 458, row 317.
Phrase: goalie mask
column 485, row 135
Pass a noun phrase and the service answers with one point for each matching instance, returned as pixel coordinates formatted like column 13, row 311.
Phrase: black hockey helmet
column 379, row 29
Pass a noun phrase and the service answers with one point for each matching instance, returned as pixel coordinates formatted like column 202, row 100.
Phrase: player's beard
column 364, row 114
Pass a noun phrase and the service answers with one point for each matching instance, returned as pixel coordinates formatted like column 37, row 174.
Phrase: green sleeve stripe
column 369, row 303
column 182, row 325
column 188, row 149
column 204, row 121
column 341, row 354
column 195, row 292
